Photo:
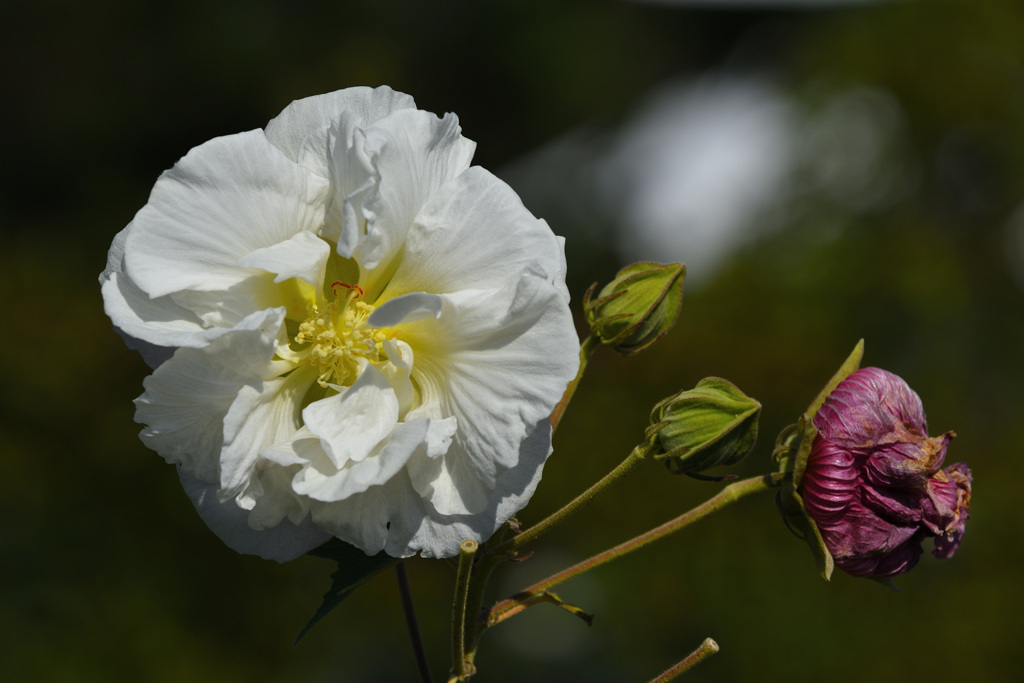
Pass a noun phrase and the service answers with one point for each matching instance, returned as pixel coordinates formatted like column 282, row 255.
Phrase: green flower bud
column 636, row 308
column 712, row 424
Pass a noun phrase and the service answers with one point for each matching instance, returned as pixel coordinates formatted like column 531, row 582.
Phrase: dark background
column 108, row 574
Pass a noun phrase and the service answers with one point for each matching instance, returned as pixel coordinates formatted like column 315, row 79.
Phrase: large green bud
column 710, row 425
column 635, row 309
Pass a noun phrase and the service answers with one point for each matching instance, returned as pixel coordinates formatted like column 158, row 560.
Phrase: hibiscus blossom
column 874, row 483
column 353, row 332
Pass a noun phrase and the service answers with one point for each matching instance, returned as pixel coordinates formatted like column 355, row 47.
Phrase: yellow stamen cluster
column 339, row 336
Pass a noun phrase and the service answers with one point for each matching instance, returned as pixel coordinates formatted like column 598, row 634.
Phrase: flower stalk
column 462, row 668
column 728, row 495
column 703, row 651
column 409, row 609
column 578, row 503
column 587, row 348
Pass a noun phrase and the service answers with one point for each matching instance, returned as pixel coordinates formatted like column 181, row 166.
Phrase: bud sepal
column 710, row 425
column 638, row 307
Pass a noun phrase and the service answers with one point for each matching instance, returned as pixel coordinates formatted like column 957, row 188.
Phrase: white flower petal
column 224, row 199
column 498, row 362
column 406, row 309
column 351, row 424
column 414, row 153
column 300, row 131
column 262, row 414
column 448, row 483
column 153, row 327
column 398, row 369
column 440, row 535
column 474, row 233
column 352, row 182
column 225, row 308
column 273, row 498
column 395, row 519
column 378, row 468
column 282, row 543
column 187, row 398
column 303, row 256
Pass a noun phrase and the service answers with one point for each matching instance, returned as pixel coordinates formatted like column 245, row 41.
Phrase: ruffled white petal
column 300, row 131
column 413, row 154
column 498, row 362
column 475, row 233
column 320, row 478
column 388, row 457
column 352, row 182
column 262, row 414
column 226, row 308
column 394, row 518
column 222, row 201
column 440, row 535
column 282, row 543
column 187, row 398
column 153, row 327
column 351, row 424
column 303, row 256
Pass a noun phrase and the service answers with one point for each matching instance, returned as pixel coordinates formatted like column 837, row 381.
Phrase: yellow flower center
column 339, row 337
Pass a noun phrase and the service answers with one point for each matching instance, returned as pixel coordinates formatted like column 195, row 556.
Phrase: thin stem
column 474, row 604
column 410, row 619
column 577, row 503
column 587, row 349
column 461, row 668
column 705, row 650
column 728, row 495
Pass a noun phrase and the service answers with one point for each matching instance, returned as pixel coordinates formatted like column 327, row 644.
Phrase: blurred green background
column 827, row 172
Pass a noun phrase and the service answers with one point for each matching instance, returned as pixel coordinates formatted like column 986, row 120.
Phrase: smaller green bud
column 712, row 424
column 635, row 309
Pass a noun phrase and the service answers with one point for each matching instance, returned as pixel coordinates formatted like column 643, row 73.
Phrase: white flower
column 353, row 332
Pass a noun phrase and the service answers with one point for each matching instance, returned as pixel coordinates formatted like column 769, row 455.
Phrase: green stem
column 419, row 652
column 728, row 495
column 705, row 650
column 474, row 603
column 577, row 503
column 461, row 668
column 587, row 349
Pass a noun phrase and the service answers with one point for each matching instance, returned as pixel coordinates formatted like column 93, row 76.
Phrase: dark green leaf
column 354, row 568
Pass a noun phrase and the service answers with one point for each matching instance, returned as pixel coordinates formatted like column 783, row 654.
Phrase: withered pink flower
column 874, row 482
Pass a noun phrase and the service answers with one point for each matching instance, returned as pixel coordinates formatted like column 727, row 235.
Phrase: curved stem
column 587, row 349
column 703, row 651
column 461, row 668
column 728, row 495
column 410, row 619
column 577, row 503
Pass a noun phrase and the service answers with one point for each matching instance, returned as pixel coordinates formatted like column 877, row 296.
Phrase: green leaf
column 354, row 569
